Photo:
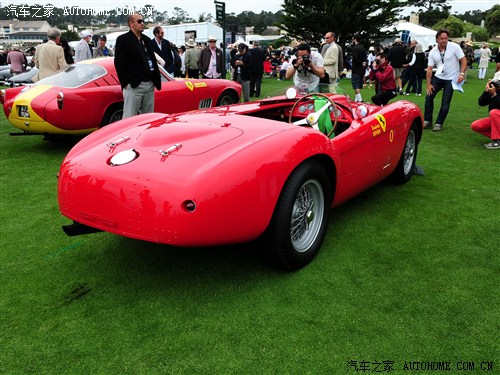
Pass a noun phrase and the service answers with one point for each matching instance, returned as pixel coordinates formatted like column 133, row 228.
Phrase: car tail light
column 2, row 96
column 60, row 100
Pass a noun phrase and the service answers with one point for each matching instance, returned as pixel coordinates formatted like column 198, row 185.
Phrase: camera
column 306, row 60
column 377, row 61
column 495, row 83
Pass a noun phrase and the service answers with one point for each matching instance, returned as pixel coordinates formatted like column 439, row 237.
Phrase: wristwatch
column 462, row 73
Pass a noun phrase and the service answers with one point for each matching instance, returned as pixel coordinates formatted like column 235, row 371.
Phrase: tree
column 475, row 16
column 492, row 22
column 429, row 5
column 453, row 25
column 308, row 20
column 431, row 17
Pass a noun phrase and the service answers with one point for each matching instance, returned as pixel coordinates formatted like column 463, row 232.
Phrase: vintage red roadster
column 270, row 169
column 87, row 95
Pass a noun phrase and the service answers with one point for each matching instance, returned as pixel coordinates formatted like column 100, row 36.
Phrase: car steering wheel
column 312, row 118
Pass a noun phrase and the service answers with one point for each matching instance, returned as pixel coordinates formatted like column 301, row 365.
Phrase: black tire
column 227, row 98
column 113, row 113
column 404, row 170
column 300, row 218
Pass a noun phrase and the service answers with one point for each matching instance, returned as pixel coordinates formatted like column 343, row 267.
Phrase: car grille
column 205, row 103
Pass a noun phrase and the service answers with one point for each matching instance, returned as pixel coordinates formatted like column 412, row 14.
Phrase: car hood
column 193, row 134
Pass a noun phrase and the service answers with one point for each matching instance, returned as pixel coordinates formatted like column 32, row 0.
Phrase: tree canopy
column 308, row 20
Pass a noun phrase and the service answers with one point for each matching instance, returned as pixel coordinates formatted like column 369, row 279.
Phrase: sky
column 196, row 7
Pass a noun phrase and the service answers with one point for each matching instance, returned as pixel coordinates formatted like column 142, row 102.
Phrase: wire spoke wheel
column 307, row 215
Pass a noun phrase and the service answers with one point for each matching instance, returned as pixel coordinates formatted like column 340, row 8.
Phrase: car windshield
column 74, row 75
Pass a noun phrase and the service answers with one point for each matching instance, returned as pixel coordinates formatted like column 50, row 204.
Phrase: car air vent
column 205, row 103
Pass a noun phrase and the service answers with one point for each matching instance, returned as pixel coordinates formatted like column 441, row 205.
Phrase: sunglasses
column 139, row 21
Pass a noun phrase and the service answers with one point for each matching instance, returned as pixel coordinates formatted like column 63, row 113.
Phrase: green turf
column 406, row 273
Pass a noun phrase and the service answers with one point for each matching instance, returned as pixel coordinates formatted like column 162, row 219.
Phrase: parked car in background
column 86, row 96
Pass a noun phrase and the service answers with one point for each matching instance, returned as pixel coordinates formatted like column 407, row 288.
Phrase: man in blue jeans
column 451, row 64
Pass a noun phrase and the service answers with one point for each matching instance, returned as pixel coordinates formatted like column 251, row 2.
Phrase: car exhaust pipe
column 77, row 229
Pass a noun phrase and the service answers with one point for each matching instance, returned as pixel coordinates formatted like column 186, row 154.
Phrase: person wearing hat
column 469, row 53
column 243, row 64
column 137, row 69
column 83, row 51
column 191, row 57
column 17, row 60
column 102, row 50
column 211, row 63
column 396, row 56
column 49, row 57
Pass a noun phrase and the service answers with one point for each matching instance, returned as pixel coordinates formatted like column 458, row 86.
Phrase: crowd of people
column 396, row 69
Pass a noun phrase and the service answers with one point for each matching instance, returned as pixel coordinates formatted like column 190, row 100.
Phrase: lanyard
column 442, row 55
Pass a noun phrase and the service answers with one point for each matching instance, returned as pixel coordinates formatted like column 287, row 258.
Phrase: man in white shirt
column 307, row 69
column 82, row 49
column 451, row 65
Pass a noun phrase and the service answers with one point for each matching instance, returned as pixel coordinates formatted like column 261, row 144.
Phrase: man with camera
column 490, row 126
column 307, row 69
column 383, row 74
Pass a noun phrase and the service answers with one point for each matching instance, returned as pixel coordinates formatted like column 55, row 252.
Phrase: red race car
column 231, row 174
column 86, row 96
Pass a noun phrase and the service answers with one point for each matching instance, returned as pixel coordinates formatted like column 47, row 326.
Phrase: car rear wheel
column 227, row 98
column 300, row 219
column 406, row 164
column 112, row 114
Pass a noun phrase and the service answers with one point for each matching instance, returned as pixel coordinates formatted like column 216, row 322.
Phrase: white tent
column 424, row 36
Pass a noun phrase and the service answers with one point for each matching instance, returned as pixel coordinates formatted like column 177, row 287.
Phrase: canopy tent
column 407, row 30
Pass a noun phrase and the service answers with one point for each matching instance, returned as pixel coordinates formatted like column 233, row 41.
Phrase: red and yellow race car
column 226, row 175
column 86, row 96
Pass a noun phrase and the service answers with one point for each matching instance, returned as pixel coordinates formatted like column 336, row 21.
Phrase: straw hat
column 190, row 43
column 469, row 43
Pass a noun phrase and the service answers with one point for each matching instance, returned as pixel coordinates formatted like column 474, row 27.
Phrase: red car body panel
column 84, row 107
column 230, row 162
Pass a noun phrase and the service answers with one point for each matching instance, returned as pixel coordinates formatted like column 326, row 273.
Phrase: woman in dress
column 484, row 60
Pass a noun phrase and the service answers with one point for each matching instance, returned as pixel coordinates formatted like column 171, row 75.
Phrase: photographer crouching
column 306, row 69
column 383, row 75
column 490, row 126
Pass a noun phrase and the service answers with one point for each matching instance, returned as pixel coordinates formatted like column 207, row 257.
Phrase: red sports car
column 86, row 96
column 231, row 174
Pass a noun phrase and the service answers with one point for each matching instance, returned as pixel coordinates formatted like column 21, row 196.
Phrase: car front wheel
column 227, row 98
column 301, row 217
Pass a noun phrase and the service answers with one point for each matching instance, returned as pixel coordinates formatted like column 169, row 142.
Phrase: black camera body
column 495, row 83
column 306, row 60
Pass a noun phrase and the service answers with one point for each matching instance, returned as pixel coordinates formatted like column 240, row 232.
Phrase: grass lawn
column 406, row 273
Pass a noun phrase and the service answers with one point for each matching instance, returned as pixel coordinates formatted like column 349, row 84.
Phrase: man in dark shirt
column 163, row 48
column 259, row 57
column 490, row 126
column 396, row 58
column 137, row 68
column 358, row 66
